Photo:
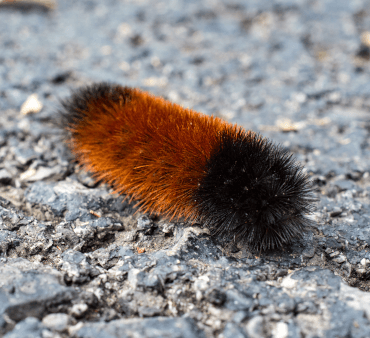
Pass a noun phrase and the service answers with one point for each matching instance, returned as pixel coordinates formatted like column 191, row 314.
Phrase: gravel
column 77, row 260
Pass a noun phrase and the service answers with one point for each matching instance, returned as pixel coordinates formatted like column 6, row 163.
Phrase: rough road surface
column 76, row 261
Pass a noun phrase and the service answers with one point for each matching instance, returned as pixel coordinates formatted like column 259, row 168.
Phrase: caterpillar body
column 186, row 165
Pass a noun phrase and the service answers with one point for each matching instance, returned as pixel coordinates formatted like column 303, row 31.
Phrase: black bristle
column 254, row 193
column 73, row 108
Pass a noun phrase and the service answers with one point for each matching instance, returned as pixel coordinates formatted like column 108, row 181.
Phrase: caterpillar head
column 254, row 192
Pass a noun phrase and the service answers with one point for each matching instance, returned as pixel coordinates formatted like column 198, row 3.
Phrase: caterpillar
column 185, row 165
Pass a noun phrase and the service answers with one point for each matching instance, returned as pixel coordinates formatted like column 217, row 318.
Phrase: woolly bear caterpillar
column 183, row 164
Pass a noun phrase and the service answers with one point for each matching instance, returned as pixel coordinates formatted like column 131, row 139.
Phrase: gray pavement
column 296, row 71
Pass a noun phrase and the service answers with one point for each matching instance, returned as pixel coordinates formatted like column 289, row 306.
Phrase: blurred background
column 284, row 68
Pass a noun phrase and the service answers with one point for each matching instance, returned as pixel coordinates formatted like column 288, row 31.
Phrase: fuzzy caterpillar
column 185, row 165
